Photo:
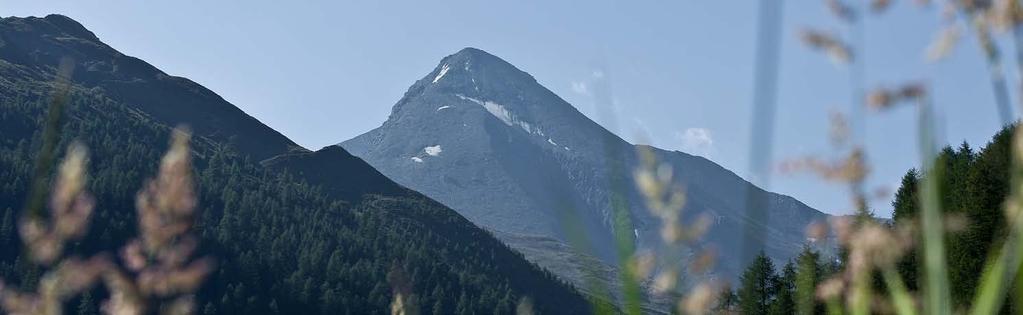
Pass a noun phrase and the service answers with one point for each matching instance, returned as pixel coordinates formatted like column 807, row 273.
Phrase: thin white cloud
column 698, row 141
column 581, row 88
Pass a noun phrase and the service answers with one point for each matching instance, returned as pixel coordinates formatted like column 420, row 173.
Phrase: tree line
column 973, row 186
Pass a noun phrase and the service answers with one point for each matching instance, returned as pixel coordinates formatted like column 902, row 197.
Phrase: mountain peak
column 54, row 24
column 474, row 83
column 472, row 54
column 470, row 73
column 473, row 65
column 71, row 27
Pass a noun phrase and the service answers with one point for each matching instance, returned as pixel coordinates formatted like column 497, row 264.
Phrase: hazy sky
column 681, row 71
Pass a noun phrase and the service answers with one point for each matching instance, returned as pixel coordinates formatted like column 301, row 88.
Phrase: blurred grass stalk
column 994, row 63
column 621, row 220
column 51, row 137
column 936, row 285
column 765, row 82
column 578, row 240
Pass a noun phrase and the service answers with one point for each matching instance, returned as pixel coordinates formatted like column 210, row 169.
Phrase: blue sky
column 681, row 71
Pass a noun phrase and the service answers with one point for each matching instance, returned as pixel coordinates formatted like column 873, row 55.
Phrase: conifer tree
column 759, row 282
column 86, row 305
column 784, row 301
column 905, row 209
column 7, row 226
column 809, row 273
column 905, row 203
column 727, row 301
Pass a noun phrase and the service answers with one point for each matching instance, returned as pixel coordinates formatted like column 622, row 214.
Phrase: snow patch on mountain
column 527, row 127
column 508, row 118
column 434, row 150
column 443, row 71
column 494, row 109
column 503, row 114
column 417, row 159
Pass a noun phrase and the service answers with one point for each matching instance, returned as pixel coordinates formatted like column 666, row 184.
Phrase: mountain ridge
column 34, row 41
column 514, row 157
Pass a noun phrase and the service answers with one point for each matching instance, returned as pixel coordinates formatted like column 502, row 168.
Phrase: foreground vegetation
column 973, row 188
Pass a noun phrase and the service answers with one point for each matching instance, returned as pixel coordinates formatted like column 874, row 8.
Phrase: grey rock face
column 487, row 140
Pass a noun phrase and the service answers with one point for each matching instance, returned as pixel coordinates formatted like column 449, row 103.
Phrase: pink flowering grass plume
column 873, row 249
column 850, row 168
column 884, row 98
column 70, row 209
column 828, row 43
column 161, row 274
column 701, row 298
column 158, row 262
column 665, row 198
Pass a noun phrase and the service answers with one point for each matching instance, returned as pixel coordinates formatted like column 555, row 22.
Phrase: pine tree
column 209, row 309
column 906, row 198
column 7, row 227
column 905, row 212
column 758, row 286
column 438, row 307
column 273, row 306
column 727, row 301
column 463, row 305
column 808, row 275
column 785, row 286
column 327, row 301
column 952, row 172
column 504, row 306
column 86, row 305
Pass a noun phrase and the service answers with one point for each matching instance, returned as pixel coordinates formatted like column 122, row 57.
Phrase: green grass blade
column 835, row 306
column 938, row 298
column 897, row 290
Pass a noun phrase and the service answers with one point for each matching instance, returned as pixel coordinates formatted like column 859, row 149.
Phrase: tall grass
column 874, row 248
